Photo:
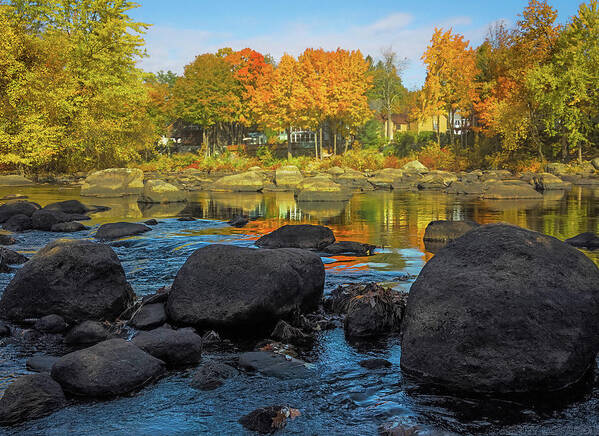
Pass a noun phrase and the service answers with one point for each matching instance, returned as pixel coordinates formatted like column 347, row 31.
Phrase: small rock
column 86, row 333
column 10, row 257
column 212, row 375
column 186, row 218
column 238, row 221
column 149, row 317
column 584, row 240
column 375, row 363
column 350, row 247
column 51, row 324
column 69, row 227
column 41, row 363
column 112, row 231
column 174, row 347
column 151, row 222
column 267, row 420
column 306, row 236
column 274, row 365
column 13, row 208
column 7, row 239
column 286, row 333
column 69, row 206
column 29, row 397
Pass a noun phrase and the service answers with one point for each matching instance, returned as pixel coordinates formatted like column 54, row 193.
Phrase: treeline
column 532, row 90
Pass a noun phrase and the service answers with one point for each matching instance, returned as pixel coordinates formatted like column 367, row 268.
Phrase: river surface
column 341, row 398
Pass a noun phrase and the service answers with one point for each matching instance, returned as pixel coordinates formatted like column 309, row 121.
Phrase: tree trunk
column 564, row 148
column 579, row 152
column 438, row 130
column 346, row 143
column 321, row 143
column 315, row 145
column 335, row 141
column 288, row 131
column 205, row 141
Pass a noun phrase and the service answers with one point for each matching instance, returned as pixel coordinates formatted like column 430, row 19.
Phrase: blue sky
column 182, row 29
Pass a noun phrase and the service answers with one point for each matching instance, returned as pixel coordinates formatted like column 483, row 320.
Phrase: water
column 342, row 398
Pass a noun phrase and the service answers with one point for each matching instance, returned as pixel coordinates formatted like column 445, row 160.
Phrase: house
column 402, row 123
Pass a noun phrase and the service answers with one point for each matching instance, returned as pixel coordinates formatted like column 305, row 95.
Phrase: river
column 342, row 398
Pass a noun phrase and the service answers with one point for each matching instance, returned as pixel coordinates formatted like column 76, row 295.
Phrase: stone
column 584, row 240
column 69, row 207
column 375, row 313
column 17, row 208
column 7, row 239
column 266, row 420
column 275, row 365
column 159, row 191
column 113, row 182
column 70, row 227
column 212, row 375
column 14, row 180
column 250, row 181
column 306, row 236
column 445, row 231
column 10, row 257
column 288, row 177
column 350, row 247
column 111, row 231
column 238, row 221
column 87, row 333
column 44, row 219
column 288, row 334
column 41, row 363
column 151, row 222
column 76, row 279
column 51, row 324
column 4, row 330
column 415, row 166
column 595, row 163
column 148, row 317
column 239, row 288
column 503, row 310
column 18, row 223
column 375, row 363
column 549, row 182
column 502, row 191
column 321, row 188
column 110, row 368
column 30, row 397
column 465, row 188
column 385, row 178
column 174, row 347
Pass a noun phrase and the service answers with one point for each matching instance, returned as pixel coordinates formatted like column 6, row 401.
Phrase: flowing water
column 341, row 398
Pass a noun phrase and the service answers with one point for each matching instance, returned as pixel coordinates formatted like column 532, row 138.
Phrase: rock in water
column 11, row 209
column 503, row 310
column 108, row 232
column 75, row 279
column 212, row 375
column 30, row 397
column 114, row 182
column 69, row 206
column 51, row 324
column 224, row 286
column 350, row 247
column 445, row 231
column 10, row 257
column 288, row 177
column 86, row 333
column 149, row 316
column 267, row 420
column 159, row 191
column 375, row 313
column 7, row 239
column 306, row 236
column 584, row 240
column 238, row 221
column 110, row 368
column 41, row 363
column 174, row 347
column 69, row 227
column 274, row 365
column 18, row 223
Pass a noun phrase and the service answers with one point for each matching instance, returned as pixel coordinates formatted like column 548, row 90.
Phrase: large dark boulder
column 149, row 316
column 87, row 333
column 77, row 280
column 10, row 257
column 30, row 397
column 45, row 219
column 503, row 310
column 110, row 368
column 120, row 230
column 69, row 227
column 18, row 223
column 8, row 210
column 174, row 347
column 41, row 363
column 306, row 236
column 69, row 206
column 51, row 324
column 585, row 240
column 224, row 286
column 350, row 247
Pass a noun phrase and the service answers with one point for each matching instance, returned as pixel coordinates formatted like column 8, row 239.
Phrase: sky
column 182, row 29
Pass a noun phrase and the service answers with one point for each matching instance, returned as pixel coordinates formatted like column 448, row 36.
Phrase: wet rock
column 7, row 239
column 267, row 420
column 113, row 182
column 375, row 363
column 350, row 247
column 30, row 397
column 501, row 191
column 149, row 317
column 238, row 221
column 41, row 363
column 339, row 299
column 320, row 188
column 212, row 375
column 250, row 181
column 437, row 180
column 445, row 231
column 186, row 218
column 76, row 279
column 584, row 240
column 274, row 365
column 87, row 333
column 4, row 330
column 288, row 177
column 375, row 313
column 14, row 180
column 70, row 227
column 111, row 231
column 385, row 178
column 110, row 368
column 466, row 188
column 69, row 207
column 503, row 310
column 18, row 223
column 44, row 219
column 51, row 324
column 159, row 191
column 224, row 286
column 306, row 236
column 174, row 347
column 286, row 333
column 151, row 222
column 10, row 257
column 13, row 208
column 549, row 182
column 354, row 181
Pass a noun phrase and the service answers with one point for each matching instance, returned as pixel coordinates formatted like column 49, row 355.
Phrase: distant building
column 402, row 123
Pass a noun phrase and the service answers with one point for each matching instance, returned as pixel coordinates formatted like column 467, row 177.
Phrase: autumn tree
column 208, row 95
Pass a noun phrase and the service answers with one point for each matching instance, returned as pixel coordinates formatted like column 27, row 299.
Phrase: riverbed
column 342, row 397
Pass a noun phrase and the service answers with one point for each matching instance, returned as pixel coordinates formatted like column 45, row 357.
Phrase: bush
column 370, row 135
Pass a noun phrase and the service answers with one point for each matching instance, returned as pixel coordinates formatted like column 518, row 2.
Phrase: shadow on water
column 341, row 397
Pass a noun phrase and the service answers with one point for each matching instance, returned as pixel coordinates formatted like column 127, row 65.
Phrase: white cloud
column 171, row 49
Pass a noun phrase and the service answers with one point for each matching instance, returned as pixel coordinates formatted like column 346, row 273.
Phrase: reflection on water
column 342, row 398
